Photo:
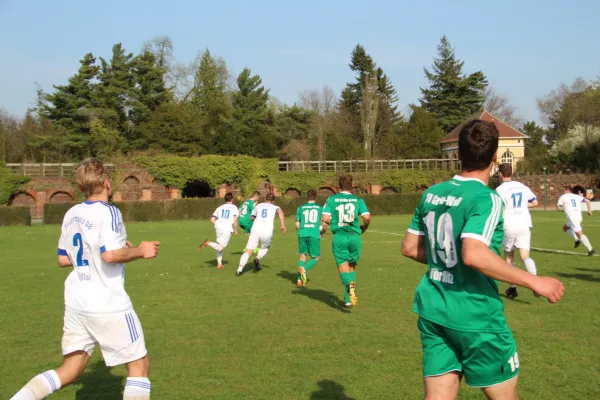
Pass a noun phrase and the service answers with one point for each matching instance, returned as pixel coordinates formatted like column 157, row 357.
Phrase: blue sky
column 526, row 48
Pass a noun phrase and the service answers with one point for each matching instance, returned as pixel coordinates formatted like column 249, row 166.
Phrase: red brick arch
column 61, row 196
column 293, row 192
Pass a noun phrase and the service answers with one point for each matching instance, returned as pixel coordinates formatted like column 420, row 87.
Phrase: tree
column 292, row 124
column 363, row 64
column 249, row 128
column 421, row 135
column 106, row 143
column 452, row 96
column 209, row 94
column 322, row 105
column 499, row 106
column 369, row 111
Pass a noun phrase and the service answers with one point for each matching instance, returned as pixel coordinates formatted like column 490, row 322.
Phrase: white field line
column 533, row 248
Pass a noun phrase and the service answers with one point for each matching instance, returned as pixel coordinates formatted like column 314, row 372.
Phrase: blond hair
column 90, row 176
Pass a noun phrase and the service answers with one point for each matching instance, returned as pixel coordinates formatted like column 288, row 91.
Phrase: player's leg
column 223, row 238
column 303, row 251
column 252, row 244
column 441, row 365
column 503, row 391
column 584, row 239
column 355, row 250
column 265, row 241
column 137, row 386
column 341, row 255
column 508, row 244
column 568, row 229
column 314, row 250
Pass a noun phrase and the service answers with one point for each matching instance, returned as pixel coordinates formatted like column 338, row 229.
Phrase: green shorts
column 246, row 225
column 310, row 246
column 346, row 247
column 485, row 359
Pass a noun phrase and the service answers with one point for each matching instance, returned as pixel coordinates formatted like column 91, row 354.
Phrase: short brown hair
column 91, row 175
column 228, row 197
column 345, row 182
column 477, row 144
column 255, row 194
column 506, row 170
column 311, row 194
column 270, row 197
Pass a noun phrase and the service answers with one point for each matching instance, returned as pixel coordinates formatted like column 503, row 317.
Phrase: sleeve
column 561, row 200
column 483, row 218
column 583, row 199
column 362, row 208
column 215, row 214
column 417, row 225
column 62, row 245
column 236, row 212
column 531, row 196
column 298, row 214
column 327, row 208
column 253, row 212
column 112, row 230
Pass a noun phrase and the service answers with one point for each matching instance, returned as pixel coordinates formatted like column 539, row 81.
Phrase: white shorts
column 223, row 236
column 574, row 224
column 517, row 239
column 257, row 238
column 120, row 337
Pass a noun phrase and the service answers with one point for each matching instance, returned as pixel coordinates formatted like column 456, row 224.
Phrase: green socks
column 345, row 276
column 310, row 264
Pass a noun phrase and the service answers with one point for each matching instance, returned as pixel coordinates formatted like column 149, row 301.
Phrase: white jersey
column 571, row 204
column 94, row 287
column 264, row 214
column 225, row 215
column 516, row 198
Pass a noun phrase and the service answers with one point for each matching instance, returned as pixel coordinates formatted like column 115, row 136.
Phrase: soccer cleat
column 299, row 283
column 302, row 273
column 591, row 252
column 511, row 292
column 238, row 273
column 203, row 245
column 348, row 305
column 352, row 293
column 577, row 243
column 257, row 266
column 220, row 266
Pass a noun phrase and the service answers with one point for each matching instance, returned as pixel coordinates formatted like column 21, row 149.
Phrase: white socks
column 262, row 253
column 137, row 389
column 243, row 261
column 39, row 387
column 572, row 234
column 586, row 242
column 216, row 246
column 530, row 265
column 220, row 257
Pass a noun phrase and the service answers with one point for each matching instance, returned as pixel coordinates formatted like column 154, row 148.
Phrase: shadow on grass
column 290, row 276
column 314, row 294
column 99, row 383
column 515, row 300
column 582, row 277
column 213, row 263
column 597, row 270
column 330, row 390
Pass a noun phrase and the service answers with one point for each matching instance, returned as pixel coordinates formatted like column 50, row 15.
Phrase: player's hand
column 283, row 229
column 363, row 228
column 149, row 249
column 590, row 213
column 550, row 288
column 128, row 244
column 234, row 233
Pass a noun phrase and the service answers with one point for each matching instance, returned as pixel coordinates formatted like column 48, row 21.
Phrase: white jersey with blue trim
column 516, row 198
column 94, row 287
column 225, row 215
column 264, row 215
column 571, row 204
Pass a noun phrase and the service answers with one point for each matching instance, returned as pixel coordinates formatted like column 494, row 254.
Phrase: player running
column 261, row 234
column 518, row 199
column 457, row 231
column 246, row 212
column 341, row 212
column 570, row 202
column 310, row 230
column 225, row 220
column 93, row 240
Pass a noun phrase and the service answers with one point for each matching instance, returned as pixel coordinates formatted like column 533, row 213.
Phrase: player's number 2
column 78, row 242
column 444, row 240
column 310, row 216
column 346, row 212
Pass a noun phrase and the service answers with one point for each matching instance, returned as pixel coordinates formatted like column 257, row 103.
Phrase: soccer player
column 310, row 230
column 457, row 231
column 570, row 202
column 342, row 213
column 94, row 242
column 225, row 220
column 517, row 199
column 261, row 234
column 246, row 212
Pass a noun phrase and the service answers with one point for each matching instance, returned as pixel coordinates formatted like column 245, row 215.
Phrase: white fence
column 45, row 170
column 369, row 165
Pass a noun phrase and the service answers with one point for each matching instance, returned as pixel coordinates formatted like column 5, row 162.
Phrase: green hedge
column 10, row 184
column 15, row 215
column 141, row 211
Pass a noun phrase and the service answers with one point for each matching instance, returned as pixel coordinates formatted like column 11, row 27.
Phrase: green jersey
column 344, row 209
column 309, row 216
column 246, row 210
column 452, row 294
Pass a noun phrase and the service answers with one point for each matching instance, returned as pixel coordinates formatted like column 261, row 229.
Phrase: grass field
column 212, row 335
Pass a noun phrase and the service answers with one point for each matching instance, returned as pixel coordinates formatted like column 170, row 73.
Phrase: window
column 507, row 158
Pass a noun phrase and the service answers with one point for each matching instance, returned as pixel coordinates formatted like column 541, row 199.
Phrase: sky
column 526, row 48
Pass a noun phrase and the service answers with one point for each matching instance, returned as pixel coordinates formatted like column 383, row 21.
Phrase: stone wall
column 557, row 182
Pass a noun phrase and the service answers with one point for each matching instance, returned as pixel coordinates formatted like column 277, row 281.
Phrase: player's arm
column 365, row 214
column 112, row 235
column 213, row 219
column 63, row 258
column 64, row 261
column 589, row 205
column 281, row 220
column 532, row 202
column 326, row 216
column 129, row 254
column 253, row 215
column 413, row 244
column 477, row 255
column 235, row 225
